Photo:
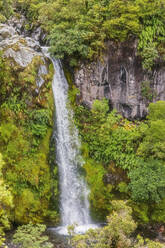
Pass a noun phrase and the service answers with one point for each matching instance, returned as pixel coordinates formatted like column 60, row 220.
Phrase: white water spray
column 74, row 205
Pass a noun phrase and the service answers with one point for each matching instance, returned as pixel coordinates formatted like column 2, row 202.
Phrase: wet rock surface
column 21, row 25
column 21, row 50
column 119, row 77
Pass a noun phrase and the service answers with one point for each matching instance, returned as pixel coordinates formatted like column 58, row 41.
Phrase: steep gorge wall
column 119, row 77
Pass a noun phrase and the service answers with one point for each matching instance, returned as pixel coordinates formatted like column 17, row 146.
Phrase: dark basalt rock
column 119, row 77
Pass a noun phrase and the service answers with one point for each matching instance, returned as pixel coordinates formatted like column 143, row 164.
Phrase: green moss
column 68, row 76
column 147, row 91
column 123, row 187
column 74, row 92
column 26, row 129
column 100, row 194
column 140, row 212
column 2, row 18
column 158, row 213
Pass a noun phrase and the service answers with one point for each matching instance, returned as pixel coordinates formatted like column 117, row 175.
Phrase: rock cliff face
column 21, row 50
column 120, row 78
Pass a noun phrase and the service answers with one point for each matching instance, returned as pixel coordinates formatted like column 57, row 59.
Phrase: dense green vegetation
column 116, row 234
column 31, row 236
column 6, row 9
column 124, row 160
column 131, row 154
column 29, row 184
column 78, row 29
column 6, row 204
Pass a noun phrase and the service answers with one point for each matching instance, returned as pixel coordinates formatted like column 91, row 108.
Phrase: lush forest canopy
column 78, row 29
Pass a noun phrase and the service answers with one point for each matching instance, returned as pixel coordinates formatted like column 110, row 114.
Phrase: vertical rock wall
column 120, row 78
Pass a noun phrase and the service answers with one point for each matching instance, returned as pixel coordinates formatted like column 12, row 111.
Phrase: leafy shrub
column 157, row 111
column 40, row 120
column 31, row 236
column 100, row 194
column 153, row 144
column 79, row 29
column 137, row 147
column 143, row 243
column 109, row 136
column 6, row 204
column 152, row 34
column 115, row 234
column 148, row 181
column 146, row 90
column 6, row 9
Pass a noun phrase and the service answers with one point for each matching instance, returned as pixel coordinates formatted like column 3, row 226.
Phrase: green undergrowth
column 32, row 236
column 26, row 123
column 6, row 9
column 73, row 90
column 120, row 231
column 124, row 160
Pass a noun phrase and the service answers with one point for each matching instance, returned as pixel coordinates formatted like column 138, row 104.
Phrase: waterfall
column 74, row 205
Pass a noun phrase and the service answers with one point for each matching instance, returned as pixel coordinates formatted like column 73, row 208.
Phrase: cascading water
column 74, row 205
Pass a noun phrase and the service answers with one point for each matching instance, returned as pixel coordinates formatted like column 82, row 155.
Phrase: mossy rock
column 26, row 150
